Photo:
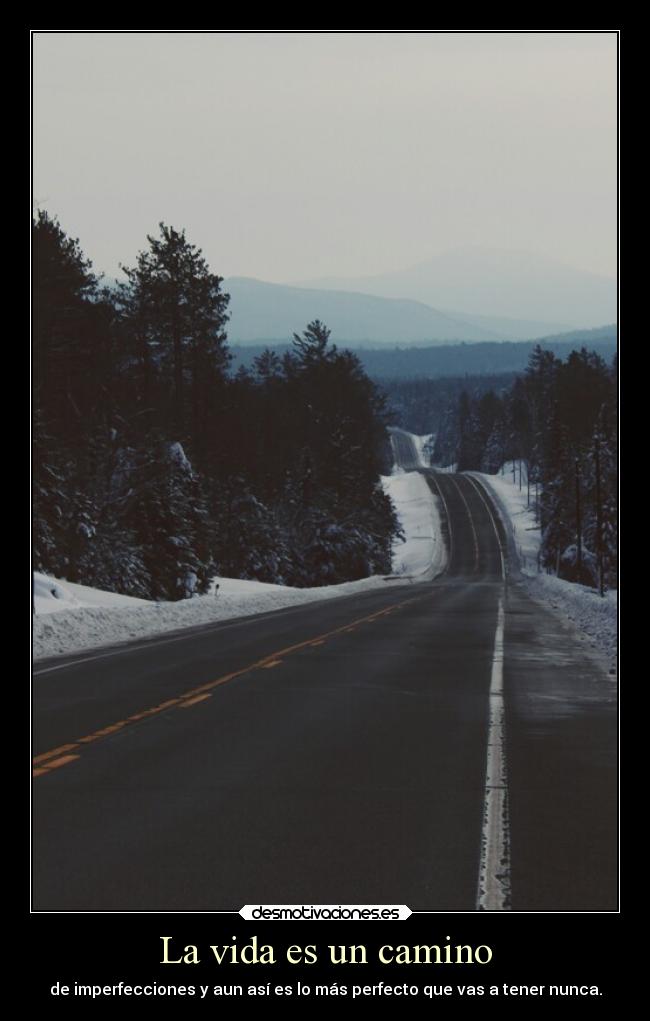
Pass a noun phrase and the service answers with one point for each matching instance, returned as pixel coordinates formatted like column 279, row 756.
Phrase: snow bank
column 596, row 618
column 88, row 618
column 423, row 552
column 52, row 596
column 88, row 627
column 521, row 517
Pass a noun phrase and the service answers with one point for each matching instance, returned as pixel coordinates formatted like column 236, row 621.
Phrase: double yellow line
column 46, row 762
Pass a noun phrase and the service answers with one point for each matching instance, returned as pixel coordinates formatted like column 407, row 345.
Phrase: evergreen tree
column 470, row 440
column 74, row 383
column 139, row 487
column 71, row 332
column 178, row 314
column 495, row 452
column 557, row 504
column 311, row 348
column 172, row 524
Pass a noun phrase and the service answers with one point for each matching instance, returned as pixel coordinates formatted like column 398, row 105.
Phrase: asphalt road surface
column 447, row 745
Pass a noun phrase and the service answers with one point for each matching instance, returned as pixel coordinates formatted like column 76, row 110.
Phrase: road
column 447, row 745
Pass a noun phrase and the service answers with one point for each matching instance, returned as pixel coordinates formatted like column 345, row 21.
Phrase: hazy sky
column 293, row 155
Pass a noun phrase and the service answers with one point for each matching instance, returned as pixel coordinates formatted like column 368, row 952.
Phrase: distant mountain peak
column 268, row 312
column 506, row 283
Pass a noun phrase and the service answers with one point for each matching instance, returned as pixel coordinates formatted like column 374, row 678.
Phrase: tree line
column 424, row 405
column 463, row 359
column 156, row 467
column 558, row 419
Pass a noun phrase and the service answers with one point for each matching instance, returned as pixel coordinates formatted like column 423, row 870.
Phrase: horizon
column 292, row 156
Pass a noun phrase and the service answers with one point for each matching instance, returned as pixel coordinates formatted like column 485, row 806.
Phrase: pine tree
column 470, row 441
column 557, row 504
column 72, row 332
column 179, row 313
column 73, row 394
column 171, row 521
column 311, row 347
column 495, row 452
column 601, row 518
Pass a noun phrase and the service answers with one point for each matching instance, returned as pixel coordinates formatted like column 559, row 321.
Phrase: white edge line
column 191, row 631
column 494, row 870
column 197, row 630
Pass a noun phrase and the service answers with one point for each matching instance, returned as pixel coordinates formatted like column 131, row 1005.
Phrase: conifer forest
column 157, row 468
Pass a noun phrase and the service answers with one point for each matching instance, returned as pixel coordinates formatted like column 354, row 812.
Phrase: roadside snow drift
column 70, row 617
column 423, row 552
column 52, row 596
column 595, row 617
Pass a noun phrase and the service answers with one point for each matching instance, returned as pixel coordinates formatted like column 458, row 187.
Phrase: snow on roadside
column 88, row 618
column 89, row 627
column 423, row 552
column 52, row 596
column 594, row 617
column 524, row 527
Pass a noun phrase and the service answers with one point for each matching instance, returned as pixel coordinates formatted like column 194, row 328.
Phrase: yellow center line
column 54, row 764
column 193, row 701
column 51, row 754
column 201, row 692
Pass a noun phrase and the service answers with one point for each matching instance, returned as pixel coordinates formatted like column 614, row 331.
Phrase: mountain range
column 262, row 312
column 488, row 282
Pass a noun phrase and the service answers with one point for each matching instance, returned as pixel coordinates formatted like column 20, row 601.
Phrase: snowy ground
column 52, row 596
column 71, row 617
column 594, row 617
column 423, row 555
column 525, row 529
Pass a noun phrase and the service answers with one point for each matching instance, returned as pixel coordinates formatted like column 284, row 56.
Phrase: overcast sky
column 288, row 156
